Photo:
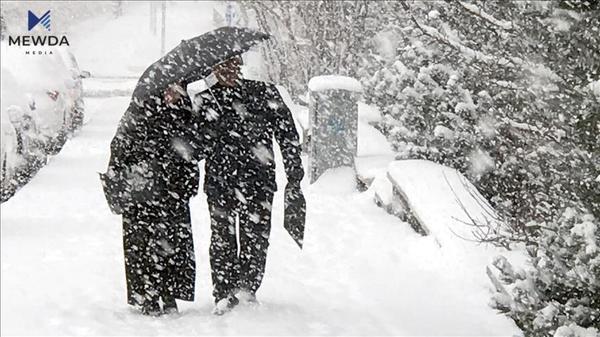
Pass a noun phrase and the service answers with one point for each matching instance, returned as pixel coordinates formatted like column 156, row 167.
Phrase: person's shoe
column 225, row 305
column 169, row 305
column 246, row 297
column 151, row 309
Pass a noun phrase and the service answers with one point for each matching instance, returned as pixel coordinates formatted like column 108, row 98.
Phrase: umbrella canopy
column 193, row 59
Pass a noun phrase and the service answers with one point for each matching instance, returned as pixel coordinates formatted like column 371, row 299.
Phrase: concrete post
column 333, row 121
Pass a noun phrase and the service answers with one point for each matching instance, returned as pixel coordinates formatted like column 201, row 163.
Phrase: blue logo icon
column 33, row 20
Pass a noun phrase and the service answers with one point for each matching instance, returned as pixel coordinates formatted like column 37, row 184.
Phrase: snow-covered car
column 10, row 102
column 22, row 150
column 9, row 157
column 41, row 105
column 52, row 88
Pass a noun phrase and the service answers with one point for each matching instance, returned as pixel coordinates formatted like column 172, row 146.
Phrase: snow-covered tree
column 559, row 294
column 313, row 38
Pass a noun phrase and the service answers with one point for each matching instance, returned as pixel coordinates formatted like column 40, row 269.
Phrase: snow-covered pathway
column 362, row 271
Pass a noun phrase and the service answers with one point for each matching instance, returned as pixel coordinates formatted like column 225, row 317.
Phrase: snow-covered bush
column 467, row 90
column 498, row 91
column 559, row 295
column 428, row 111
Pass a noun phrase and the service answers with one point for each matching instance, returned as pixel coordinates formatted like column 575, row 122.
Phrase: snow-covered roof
column 333, row 82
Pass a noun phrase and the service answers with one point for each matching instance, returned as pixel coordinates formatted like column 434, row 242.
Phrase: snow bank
column 333, row 82
column 371, row 141
column 368, row 113
column 374, row 152
column 442, row 200
column 383, row 195
column 339, row 180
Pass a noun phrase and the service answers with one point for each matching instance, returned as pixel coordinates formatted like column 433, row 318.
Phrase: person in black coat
column 241, row 117
column 154, row 170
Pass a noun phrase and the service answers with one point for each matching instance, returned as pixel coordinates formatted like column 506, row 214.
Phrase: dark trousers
column 159, row 253
column 232, row 270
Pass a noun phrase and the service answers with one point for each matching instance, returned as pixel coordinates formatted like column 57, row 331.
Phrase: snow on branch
column 521, row 126
column 470, row 53
column 456, row 44
column 473, row 9
column 466, row 51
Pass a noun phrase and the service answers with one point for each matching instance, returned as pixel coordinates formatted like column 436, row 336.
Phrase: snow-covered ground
column 362, row 271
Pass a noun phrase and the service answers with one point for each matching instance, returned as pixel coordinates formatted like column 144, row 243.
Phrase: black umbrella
column 294, row 212
column 193, row 59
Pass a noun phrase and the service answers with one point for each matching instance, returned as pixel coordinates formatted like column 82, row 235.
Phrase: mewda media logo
column 38, row 44
column 33, row 20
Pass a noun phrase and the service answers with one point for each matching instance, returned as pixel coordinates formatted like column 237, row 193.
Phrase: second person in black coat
column 241, row 118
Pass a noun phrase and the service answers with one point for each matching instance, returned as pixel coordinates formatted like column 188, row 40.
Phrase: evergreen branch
column 473, row 9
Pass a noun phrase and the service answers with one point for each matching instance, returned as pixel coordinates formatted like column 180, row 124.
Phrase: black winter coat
column 240, row 126
column 154, row 171
column 155, row 153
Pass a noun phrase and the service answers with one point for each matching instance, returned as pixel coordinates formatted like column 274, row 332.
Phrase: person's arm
column 122, row 150
column 129, row 144
column 287, row 138
column 122, row 156
column 175, row 122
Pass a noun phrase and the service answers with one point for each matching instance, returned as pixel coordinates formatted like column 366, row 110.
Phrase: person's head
column 229, row 72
